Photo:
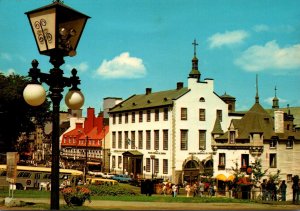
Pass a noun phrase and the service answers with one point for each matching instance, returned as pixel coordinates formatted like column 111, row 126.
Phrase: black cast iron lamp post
column 57, row 29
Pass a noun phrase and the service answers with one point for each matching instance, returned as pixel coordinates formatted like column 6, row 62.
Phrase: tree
column 15, row 114
column 257, row 171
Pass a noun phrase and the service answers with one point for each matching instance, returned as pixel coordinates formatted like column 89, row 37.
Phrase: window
column 202, row 99
column 119, row 139
column 244, row 160
column 219, row 115
column 113, row 139
column 120, row 118
column 222, row 160
column 114, row 119
column 183, row 113
column 133, row 117
column 289, row 144
column 165, row 139
column 140, row 116
column 166, row 114
column 148, row 140
column 132, row 140
column 183, row 139
column 201, row 114
column 156, row 165
column 273, row 144
column 156, row 139
column 156, row 114
column 147, row 164
column 273, row 161
column 165, row 166
column 126, row 118
column 202, row 139
column 231, row 137
column 148, row 115
column 289, row 177
column 140, row 139
column 126, row 139
column 125, row 163
column 119, row 162
column 113, row 165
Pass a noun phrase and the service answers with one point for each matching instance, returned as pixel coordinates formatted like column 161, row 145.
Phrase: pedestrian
column 295, row 188
column 201, row 188
column 282, row 189
column 264, row 189
column 188, row 190
column 175, row 190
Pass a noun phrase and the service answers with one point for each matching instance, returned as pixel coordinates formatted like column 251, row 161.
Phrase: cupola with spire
column 195, row 72
column 275, row 101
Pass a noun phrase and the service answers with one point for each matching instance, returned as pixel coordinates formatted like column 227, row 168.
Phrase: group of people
column 198, row 188
column 270, row 190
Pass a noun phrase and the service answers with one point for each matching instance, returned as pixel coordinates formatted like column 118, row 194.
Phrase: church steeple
column 195, row 72
column 256, row 96
column 275, row 101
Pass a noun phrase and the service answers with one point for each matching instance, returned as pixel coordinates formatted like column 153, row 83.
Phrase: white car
column 107, row 175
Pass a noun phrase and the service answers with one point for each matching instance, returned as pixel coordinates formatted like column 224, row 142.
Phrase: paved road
column 126, row 205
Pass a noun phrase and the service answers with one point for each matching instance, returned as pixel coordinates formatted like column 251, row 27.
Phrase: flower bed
column 76, row 196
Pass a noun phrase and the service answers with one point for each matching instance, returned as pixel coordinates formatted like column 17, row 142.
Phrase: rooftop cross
column 195, row 44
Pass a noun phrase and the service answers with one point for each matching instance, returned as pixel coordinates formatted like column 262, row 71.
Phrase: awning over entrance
column 230, row 178
column 132, row 153
column 93, row 163
column 221, row 177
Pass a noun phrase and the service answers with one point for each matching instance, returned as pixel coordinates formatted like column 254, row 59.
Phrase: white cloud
column 261, row 28
column 8, row 72
column 270, row 56
column 6, row 56
column 82, row 67
column 122, row 66
column 269, row 100
column 227, row 38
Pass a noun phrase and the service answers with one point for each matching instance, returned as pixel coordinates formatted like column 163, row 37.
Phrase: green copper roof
column 144, row 101
column 217, row 127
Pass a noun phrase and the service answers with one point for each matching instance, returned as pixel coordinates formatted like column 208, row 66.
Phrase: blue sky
column 129, row 45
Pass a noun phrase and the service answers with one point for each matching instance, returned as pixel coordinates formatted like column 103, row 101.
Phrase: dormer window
column 273, row 144
column 232, row 135
column 289, row 144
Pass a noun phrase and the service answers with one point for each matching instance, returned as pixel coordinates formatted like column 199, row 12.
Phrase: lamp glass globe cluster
column 35, row 95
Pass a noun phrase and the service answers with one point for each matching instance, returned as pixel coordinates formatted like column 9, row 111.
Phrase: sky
column 130, row 45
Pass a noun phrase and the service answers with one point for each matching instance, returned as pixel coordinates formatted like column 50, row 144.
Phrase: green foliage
column 257, row 171
column 110, row 190
column 275, row 177
column 15, row 114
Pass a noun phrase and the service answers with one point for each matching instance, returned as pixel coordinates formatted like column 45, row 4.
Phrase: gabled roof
column 156, row 99
column 217, row 127
column 256, row 120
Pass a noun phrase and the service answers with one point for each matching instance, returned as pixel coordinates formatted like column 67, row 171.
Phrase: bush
column 110, row 190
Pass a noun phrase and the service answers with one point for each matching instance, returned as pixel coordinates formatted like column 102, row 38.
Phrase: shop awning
column 221, row 177
column 230, row 178
column 93, row 163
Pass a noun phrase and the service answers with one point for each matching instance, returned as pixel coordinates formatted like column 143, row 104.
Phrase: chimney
column 148, row 91
column 179, row 85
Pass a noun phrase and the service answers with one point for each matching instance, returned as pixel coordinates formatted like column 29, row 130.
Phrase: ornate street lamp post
column 57, row 29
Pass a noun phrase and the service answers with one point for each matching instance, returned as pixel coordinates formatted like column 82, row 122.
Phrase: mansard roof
column 150, row 100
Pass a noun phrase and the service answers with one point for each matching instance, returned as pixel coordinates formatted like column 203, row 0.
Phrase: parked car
column 122, row 178
column 107, row 175
column 101, row 181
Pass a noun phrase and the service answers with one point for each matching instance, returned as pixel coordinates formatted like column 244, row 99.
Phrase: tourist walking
column 175, row 190
column 282, row 189
column 295, row 188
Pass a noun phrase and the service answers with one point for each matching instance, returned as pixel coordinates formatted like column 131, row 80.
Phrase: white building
column 167, row 134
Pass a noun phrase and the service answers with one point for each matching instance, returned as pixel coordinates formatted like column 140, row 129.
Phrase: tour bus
column 30, row 177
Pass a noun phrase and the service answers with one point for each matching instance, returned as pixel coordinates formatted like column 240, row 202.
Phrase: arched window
column 202, row 99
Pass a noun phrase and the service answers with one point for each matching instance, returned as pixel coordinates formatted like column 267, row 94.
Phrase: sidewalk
column 129, row 205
